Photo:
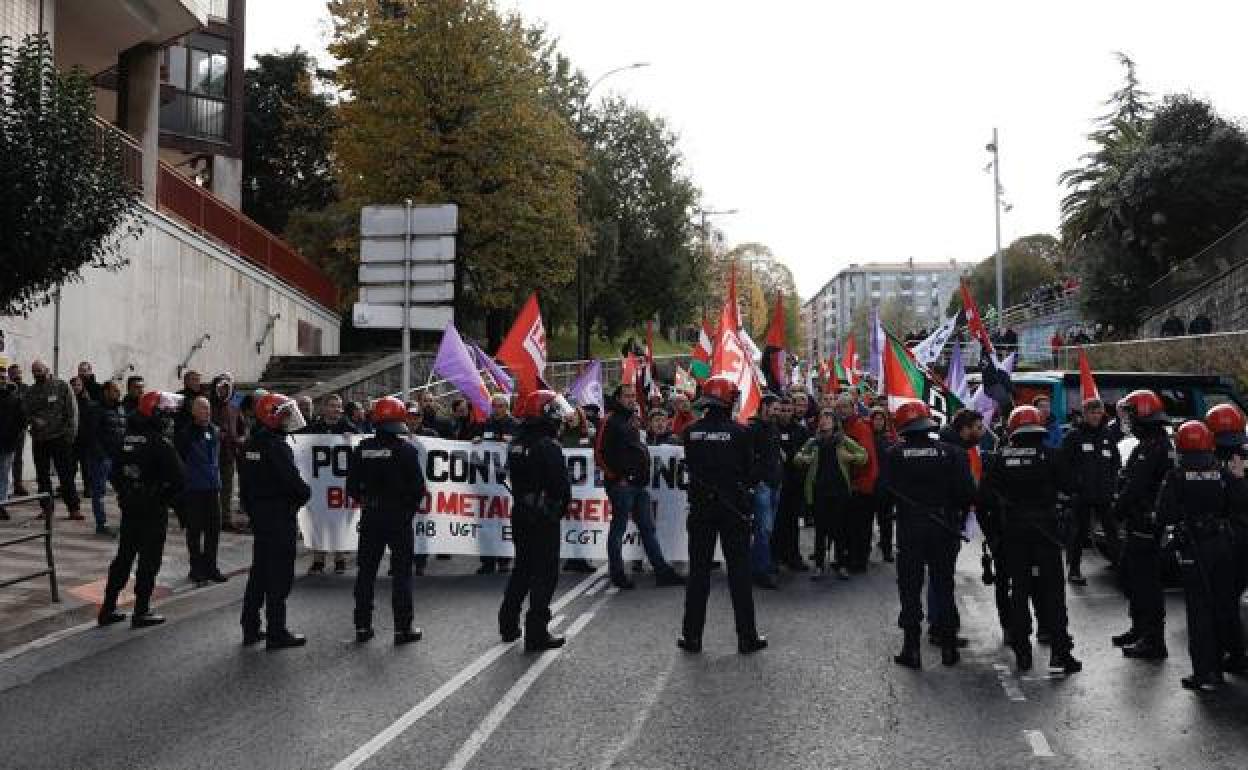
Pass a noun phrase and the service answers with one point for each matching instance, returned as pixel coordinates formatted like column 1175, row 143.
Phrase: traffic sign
column 392, row 273
column 425, row 248
column 420, row 292
column 430, row 318
column 382, row 221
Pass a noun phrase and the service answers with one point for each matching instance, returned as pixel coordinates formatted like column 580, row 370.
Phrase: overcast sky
column 846, row 132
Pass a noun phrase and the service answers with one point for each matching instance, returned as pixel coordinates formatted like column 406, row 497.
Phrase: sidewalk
column 82, row 558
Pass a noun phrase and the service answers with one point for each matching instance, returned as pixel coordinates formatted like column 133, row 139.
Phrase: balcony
column 198, row 117
column 93, row 33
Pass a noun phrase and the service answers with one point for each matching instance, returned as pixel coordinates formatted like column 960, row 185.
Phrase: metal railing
column 1027, row 311
column 46, row 534
column 213, row 217
column 1198, row 270
column 131, row 159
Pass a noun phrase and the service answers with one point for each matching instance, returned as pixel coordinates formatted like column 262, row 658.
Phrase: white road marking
column 556, row 621
column 1039, row 744
column 596, row 587
column 1009, row 683
column 478, row 739
column 648, row 700
column 418, row 712
column 45, row 641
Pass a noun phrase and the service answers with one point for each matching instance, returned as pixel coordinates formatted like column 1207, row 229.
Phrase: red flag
column 730, row 358
column 775, row 330
column 973, row 320
column 1087, row 384
column 524, row 348
column 850, row 361
column 832, row 379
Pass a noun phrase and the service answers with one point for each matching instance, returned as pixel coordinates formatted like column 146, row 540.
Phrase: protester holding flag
column 625, row 463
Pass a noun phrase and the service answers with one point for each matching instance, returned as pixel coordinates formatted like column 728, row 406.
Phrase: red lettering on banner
column 593, row 510
column 448, row 502
column 574, row 510
column 499, row 508
column 426, row 502
column 469, row 505
column 337, row 497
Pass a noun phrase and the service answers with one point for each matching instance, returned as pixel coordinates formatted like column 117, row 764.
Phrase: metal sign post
column 407, row 301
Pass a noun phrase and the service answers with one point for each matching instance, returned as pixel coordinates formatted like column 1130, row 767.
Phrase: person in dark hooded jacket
column 233, row 430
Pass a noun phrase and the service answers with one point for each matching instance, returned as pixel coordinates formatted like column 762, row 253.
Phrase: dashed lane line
column 1039, row 744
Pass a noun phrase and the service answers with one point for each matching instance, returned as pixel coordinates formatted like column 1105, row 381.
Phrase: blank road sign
column 367, row 316
column 420, row 292
column 379, row 221
column 425, row 248
column 420, row 273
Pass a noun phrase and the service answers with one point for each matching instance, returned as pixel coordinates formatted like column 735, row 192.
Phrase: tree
column 758, row 268
column 448, row 103
column 895, row 315
column 1029, row 262
column 637, row 201
column 66, row 203
column 287, row 130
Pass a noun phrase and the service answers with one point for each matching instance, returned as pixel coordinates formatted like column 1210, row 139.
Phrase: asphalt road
column 825, row 694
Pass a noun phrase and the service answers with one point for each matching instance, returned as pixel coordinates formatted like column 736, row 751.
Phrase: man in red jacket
column 862, row 493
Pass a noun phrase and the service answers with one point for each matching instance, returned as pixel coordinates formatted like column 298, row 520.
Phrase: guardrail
column 46, row 534
column 131, row 157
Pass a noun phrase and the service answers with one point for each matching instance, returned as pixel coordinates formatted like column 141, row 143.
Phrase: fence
column 1191, row 274
column 1224, row 354
column 46, row 535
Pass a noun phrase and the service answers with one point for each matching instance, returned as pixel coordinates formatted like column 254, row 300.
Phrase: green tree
column 287, row 130
column 448, row 103
column 895, row 315
column 1029, row 262
column 638, row 202
column 66, row 203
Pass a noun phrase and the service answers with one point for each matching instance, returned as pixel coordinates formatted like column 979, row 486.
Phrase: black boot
column 1148, row 648
column 949, row 652
column 1205, row 683
column 281, row 640
column 253, row 636
column 909, row 655
column 509, row 634
column 1127, row 639
column 364, row 634
column 541, row 644
column 146, row 620
column 1064, row 663
column 690, row 644
column 670, row 577
column 747, row 645
column 408, row 635
column 1235, row 664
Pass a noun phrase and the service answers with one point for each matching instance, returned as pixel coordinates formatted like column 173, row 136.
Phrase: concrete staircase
column 292, row 375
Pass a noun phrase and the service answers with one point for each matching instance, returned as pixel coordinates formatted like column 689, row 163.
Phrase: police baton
column 718, row 499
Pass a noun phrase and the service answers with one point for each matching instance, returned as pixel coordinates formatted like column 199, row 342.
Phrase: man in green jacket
column 52, row 412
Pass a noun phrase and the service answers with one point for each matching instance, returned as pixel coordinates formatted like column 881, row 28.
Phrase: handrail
column 131, row 152
column 46, row 534
column 198, row 346
column 268, row 328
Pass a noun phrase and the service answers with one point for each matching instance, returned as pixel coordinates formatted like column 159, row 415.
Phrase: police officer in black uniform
column 1140, row 567
column 272, row 492
column 1093, row 464
column 541, row 491
column 1198, row 502
column 386, row 480
column 148, row 476
column 1228, row 425
column 719, row 459
column 1021, row 487
column 929, row 484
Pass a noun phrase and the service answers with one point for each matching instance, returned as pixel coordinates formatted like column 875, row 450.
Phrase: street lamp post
column 994, row 148
column 706, row 235
column 582, row 330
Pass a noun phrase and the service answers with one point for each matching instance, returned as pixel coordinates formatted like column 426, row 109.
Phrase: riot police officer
column 1093, row 463
column 1021, row 487
column 541, row 491
column 929, row 484
column 1197, row 502
column 1228, row 425
column 148, row 476
column 719, row 458
column 386, row 480
column 272, row 492
column 1140, row 567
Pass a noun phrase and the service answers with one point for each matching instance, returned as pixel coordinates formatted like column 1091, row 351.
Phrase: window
column 208, row 73
column 198, row 67
column 219, row 9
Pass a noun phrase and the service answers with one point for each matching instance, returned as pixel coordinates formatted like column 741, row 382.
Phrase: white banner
column 467, row 510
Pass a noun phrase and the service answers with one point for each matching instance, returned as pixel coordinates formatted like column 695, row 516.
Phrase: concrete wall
column 1224, row 300
column 1220, row 354
column 177, row 287
column 19, row 18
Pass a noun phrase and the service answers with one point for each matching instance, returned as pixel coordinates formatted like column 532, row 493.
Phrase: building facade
column 205, row 287
column 923, row 287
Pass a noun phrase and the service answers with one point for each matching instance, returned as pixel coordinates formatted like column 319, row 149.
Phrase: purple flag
column 491, row 367
column 587, row 389
column 956, row 379
column 455, row 364
column 875, row 334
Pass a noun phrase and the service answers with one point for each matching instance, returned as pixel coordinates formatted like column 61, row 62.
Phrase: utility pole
column 995, row 149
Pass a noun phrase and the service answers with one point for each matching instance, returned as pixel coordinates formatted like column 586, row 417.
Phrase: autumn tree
column 445, row 102
column 1029, row 262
